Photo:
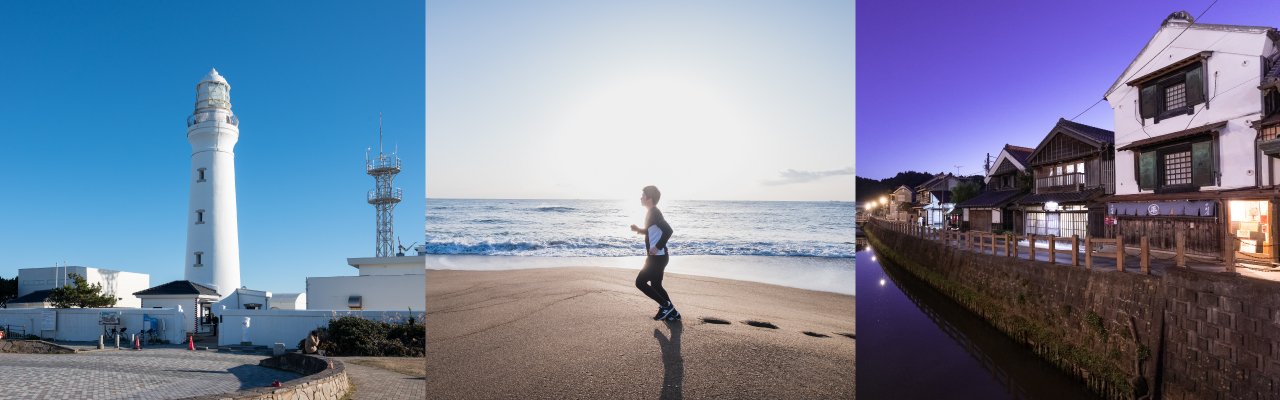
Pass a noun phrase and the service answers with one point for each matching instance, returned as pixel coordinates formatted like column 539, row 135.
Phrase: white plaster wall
column 267, row 327
column 289, row 301
column 378, row 292
column 116, row 283
column 407, row 265
column 1232, row 74
column 81, row 324
column 218, row 238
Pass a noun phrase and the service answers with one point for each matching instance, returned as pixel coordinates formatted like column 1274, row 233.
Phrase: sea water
column 809, row 245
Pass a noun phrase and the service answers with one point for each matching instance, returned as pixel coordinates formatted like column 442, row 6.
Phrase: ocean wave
column 548, row 207
column 602, row 248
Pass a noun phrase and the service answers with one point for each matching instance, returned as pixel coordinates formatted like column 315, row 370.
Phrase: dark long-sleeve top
column 654, row 219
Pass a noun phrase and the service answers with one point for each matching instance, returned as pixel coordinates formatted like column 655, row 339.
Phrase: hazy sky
column 943, row 83
column 720, row 100
column 95, row 163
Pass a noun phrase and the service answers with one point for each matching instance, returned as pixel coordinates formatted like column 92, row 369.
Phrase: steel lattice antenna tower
column 384, row 196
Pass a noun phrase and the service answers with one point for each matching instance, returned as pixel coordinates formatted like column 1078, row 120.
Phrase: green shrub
column 354, row 336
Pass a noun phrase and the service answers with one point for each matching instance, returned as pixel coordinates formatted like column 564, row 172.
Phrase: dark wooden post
column 1010, row 246
column 1182, row 249
column 1031, row 240
column 1053, row 250
column 1088, row 252
column 1075, row 250
column 1146, row 256
column 1119, row 253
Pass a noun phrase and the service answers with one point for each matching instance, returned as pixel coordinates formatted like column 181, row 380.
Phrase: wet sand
column 587, row 332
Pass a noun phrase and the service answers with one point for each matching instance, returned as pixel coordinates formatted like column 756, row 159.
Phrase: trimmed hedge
column 354, row 336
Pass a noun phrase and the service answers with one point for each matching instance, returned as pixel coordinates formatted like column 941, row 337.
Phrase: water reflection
column 917, row 343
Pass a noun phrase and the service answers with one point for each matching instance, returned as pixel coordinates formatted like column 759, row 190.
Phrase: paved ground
column 158, row 373
column 372, row 383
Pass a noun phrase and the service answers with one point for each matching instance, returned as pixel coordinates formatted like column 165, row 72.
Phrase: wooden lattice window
column 1270, row 132
column 1175, row 96
column 1177, row 168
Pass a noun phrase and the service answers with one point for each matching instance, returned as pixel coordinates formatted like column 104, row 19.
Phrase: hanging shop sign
column 1187, row 208
column 1051, row 206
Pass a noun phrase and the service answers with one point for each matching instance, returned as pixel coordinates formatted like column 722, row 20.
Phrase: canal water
column 916, row 343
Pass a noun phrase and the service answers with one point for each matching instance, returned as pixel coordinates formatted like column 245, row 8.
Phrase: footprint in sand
column 849, row 335
column 716, row 321
column 759, row 324
column 815, row 334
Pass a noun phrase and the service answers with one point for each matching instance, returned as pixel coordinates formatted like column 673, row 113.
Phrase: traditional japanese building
column 1073, row 165
column 1197, row 141
column 991, row 211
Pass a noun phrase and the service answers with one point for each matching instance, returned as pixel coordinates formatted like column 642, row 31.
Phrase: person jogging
column 656, row 233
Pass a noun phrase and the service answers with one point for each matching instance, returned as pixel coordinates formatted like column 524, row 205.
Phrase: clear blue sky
column 942, row 83
column 708, row 100
column 95, row 161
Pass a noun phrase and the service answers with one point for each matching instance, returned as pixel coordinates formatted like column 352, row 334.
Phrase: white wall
column 267, row 327
column 289, row 301
column 119, row 284
column 1232, row 75
column 379, row 292
column 81, row 324
column 407, row 265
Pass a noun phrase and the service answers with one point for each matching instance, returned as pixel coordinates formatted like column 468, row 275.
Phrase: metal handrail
column 389, row 161
column 394, row 194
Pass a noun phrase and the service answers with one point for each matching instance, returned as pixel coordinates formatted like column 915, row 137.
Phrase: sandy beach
column 586, row 332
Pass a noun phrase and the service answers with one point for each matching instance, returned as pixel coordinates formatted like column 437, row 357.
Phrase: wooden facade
column 1204, row 234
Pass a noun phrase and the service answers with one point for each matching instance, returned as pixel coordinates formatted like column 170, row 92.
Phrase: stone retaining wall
column 321, row 382
column 1199, row 335
column 34, row 347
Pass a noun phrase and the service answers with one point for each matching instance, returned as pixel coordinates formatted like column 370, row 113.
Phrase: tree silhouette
column 82, row 294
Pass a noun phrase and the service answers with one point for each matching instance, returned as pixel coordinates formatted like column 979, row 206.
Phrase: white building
column 383, row 283
column 935, row 197
column 213, row 244
column 34, row 284
column 1196, row 134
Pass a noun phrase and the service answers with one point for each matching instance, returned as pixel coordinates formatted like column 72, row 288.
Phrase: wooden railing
column 1071, row 179
column 980, row 242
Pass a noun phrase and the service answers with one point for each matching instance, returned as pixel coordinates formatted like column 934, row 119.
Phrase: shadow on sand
column 672, row 361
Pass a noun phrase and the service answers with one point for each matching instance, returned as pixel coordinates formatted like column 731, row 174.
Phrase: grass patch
column 408, row 366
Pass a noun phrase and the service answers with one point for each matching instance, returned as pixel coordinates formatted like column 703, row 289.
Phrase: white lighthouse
column 213, row 244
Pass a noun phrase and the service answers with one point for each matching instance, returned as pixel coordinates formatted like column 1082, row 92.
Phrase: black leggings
column 650, row 279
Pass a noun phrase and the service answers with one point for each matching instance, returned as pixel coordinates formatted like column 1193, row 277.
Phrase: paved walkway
column 372, row 383
column 125, row 374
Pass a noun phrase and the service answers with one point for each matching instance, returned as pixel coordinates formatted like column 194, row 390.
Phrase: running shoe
column 673, row 316
column 663, row 312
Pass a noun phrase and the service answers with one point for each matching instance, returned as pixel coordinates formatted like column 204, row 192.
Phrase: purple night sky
column 942, row 83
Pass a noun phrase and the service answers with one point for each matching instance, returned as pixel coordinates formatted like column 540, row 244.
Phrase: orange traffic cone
column 137, row 343
column 191, row 343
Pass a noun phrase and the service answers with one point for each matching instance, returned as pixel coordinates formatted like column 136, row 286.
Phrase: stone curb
column 320, row 383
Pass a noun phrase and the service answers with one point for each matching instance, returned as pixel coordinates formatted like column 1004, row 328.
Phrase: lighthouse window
column 201, row 171
column 198, row 259
column 199, row 217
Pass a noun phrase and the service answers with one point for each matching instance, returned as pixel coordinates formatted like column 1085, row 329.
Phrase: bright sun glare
column 670, row 131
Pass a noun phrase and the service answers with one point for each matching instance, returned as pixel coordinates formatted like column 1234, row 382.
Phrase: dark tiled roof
column 38, row 296
column 1019, row 153
column 935, row 181
column 991, row 199
column 179, row 287
column 1097, row 134
column 1069, row 197
column 1169, row 137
